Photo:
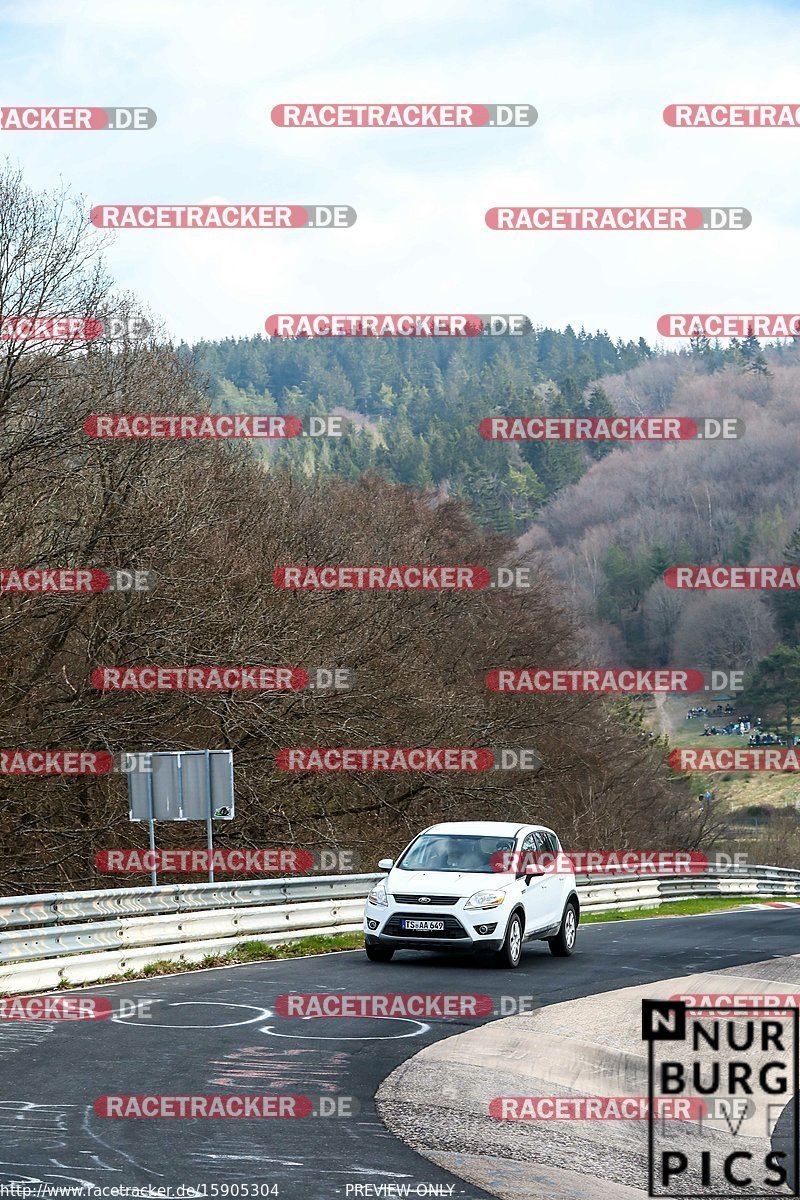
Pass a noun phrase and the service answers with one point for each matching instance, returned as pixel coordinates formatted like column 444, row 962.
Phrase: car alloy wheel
column 515, row 940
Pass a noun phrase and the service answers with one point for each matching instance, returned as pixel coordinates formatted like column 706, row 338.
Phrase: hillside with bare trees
column 648, row 506
column 212, row 524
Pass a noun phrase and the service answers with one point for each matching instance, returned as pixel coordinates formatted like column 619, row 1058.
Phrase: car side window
column 530, row 842
column 551, row 841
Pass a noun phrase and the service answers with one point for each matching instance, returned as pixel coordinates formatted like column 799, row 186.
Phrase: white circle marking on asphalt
column 147, row 1023
column 379, row 1037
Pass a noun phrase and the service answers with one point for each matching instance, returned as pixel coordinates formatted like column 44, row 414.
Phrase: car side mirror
column 530, row 871
column 386, row 864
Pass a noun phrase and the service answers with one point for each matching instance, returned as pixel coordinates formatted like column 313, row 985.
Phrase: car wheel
column 510, row 954
column 563, row 944
column 379, row 953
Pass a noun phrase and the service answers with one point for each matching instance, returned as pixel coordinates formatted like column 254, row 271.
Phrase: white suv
column 474, row 885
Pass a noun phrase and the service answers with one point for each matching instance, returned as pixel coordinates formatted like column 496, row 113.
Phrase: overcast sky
column 599, row 75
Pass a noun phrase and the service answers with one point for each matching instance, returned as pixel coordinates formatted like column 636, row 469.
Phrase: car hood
column 445, row 883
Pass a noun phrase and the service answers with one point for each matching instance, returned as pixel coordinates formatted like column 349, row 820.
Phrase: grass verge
column 705, row 904
column 247, row 952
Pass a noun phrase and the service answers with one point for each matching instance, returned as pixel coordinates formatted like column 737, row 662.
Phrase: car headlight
column 378, row 895
column 486, row 900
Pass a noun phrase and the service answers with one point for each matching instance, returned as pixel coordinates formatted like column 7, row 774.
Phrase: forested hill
column 420, row 401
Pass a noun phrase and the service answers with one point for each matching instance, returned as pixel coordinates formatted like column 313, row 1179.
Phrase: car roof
column 482, row 828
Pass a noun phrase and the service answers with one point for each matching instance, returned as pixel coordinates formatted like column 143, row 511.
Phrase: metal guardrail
column 599, row 893
column 86, row 936
column 28, row 912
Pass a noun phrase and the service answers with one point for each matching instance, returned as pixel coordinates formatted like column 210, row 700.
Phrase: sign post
column 151, row 824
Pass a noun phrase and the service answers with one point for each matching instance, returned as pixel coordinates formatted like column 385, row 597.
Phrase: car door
column 562, row 881
column 538, row 896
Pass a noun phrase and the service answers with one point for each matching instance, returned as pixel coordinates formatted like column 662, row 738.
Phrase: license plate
column 423, row 926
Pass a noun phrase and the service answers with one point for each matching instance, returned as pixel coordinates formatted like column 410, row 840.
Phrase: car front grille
column 452, row 927
column 405, row 898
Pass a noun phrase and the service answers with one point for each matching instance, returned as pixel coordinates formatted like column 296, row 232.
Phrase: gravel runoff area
column 437, row 1101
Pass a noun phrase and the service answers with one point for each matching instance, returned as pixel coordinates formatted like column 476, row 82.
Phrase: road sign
column 182, row 785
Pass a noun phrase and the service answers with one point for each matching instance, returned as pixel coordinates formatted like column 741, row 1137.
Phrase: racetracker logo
column 73, row 580
column 384, row 759
column 595, row 1108
column 402, row 116
column 408, row 1005
column 72, row 329
column 735, row 758
column 423, row 758
column 633, row 218
column 55, row 1008
column 56, row 762
column 729, row 325
column 724, row 116
column 602, row 429
column 191, row 425
column 73, row 762
column 244, row 862
column 600, row 862
column 193, row 1107
column 751, row 1005
column 399, row 579
column 547, row 681
column 76, row 118
column 223, row 216
column 200, row 679
column 781, row 577
column 291, row 325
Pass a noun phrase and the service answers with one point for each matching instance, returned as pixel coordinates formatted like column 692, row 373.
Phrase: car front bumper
column 461, row 930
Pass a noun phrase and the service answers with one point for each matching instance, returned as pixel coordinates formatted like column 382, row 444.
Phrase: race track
column 217, row 1032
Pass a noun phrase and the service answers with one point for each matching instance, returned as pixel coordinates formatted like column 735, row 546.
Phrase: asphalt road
column 216, row 1032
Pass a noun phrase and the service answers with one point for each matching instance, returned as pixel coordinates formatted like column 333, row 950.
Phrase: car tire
column 563, row 944
column 510, row 953
column 379, row 953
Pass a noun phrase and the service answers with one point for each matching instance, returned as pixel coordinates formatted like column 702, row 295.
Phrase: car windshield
column 454, row 852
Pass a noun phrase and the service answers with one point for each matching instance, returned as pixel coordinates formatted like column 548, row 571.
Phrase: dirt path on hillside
column 665, row 722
